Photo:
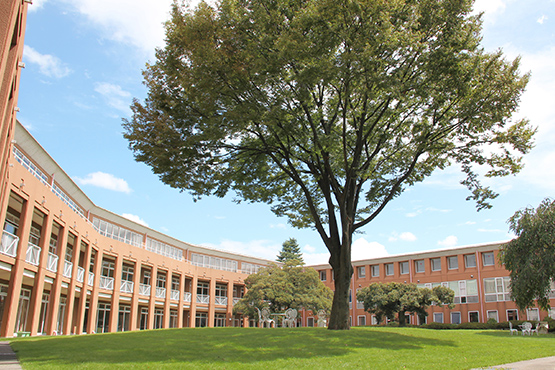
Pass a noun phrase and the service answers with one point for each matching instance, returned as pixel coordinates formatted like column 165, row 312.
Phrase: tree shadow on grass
column 209, row 346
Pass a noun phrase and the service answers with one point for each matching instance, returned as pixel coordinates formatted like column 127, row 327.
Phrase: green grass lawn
column 245, row 348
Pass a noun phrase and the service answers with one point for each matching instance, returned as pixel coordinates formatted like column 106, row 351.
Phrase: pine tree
column 290, row 251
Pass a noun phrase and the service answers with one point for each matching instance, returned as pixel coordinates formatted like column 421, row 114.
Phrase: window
column 512, row 315
column 103, row 318
column 161, row 280
column 374, row 320
column 173, row 318
column 493, row 315
column 487, row 259
column 438, row 317
column 455, row 318
column 389, row 269
column 533, row 314
column 436, row 264
column 469, row 260
column 362, row 321
column 404, row 267
column 473, row 316
column 143, row 319
column 453, row 262
column 123, row 317
column 323, row 275
column 219, row 320
column 375, row 270
column 127, row 272
column 552, row 313
column 310, row 322
column 497, row 289
column 158, row 318
column 107, row 268
column 419, row 266
column 361, row 272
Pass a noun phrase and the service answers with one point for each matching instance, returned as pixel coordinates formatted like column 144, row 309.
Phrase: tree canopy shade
column 388, row 299
column 530, row 257
column 281, row 287
column 327, row 109
column 290, row 251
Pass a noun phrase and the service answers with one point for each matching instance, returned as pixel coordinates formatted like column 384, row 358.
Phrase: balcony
column 33, row 254
column 187, row 297
column 161, row 293
column 90, row 280
column 221, row 300
column 203, row 299
column 126, row 286
column 106, row 283
column 68, row 267
column 9, row 244
column 236, row 300
column 80, row 274
column 144, row 289
column 174, row 294
column 52, row 262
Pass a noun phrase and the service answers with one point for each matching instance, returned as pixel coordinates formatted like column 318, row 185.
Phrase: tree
column 290, row 251
column 388, row 299
column 282, row 287
column 530, row 257
column 327, row 109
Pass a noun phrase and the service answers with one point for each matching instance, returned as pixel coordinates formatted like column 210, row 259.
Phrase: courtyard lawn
column 310, row 348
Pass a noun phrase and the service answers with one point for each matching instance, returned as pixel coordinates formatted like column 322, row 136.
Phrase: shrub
column 439, row 326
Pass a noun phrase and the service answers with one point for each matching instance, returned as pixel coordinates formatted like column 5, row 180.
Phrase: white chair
column 512, row 329
column 290, row 318
column 321, row 319
column 526, row 328
column 536, row 330
column 264, row 317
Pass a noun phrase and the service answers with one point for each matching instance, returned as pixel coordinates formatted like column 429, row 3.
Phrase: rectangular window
column 362, row 321
column 389, row 269
column 512, row 315
column 453, row 262
column 455, row 318
column 375, row 270
column 469, row 260
column 404, row 267
column 361, row 272
column 438, row 317
column 419, row 266
column 323, row 275
column 374, row 320
column 493, row 315
column 497, row 289
column 436, row 264
column 487, row 259
column 533, row 314
column 473, row 316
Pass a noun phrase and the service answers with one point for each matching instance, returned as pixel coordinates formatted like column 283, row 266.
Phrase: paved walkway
column 8, row 361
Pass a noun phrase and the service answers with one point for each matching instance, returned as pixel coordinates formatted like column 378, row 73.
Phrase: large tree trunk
column 340, row 261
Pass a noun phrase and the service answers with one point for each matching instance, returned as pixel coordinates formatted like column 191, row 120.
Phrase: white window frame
column 460, row 317
column 496, row 315
column 375, row 270
column 507, row 313
column 485, row 256
column 419, row 266
column 361, row 318
column 530, row 316
column 466, row 264
column 404, row 268
column 361, row 271
column 387, row 265
column 476, row 312
column 432, row 263
column 374, row 320
column 452, row 258
column 323, row 275
column 439, row 315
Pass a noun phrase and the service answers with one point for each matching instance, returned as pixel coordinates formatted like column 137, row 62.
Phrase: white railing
column 144, row 289
column 33, row 254
column 106, row 283
column 126, row 286
column 236, row 300
column 68, row 267
column 90, row 280
column 174, row 294
column 52, row 262
column 80, row 274
column 204, row 299
column 9, row 244
column 187, row 297
column 221, row 300
column 160, row 292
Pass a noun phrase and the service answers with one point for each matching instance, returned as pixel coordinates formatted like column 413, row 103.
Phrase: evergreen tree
column 290, row 251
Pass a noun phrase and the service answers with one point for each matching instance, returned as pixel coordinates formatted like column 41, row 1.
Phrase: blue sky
column 84, row 60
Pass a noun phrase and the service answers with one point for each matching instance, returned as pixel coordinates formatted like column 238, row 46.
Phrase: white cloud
column 542, row 19
column 36, row 5
column 114, row 95
column 256, row 248
column 105, row 181
column 278, row 226
column 135, row 22
column 135, row 218
column 49, row 65
column 450, row 241
column 363, row 249
column 404, row 236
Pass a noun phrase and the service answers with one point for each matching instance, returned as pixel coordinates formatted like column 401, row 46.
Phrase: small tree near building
column 281, row 287
column 387, row 299
column 530, row 257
